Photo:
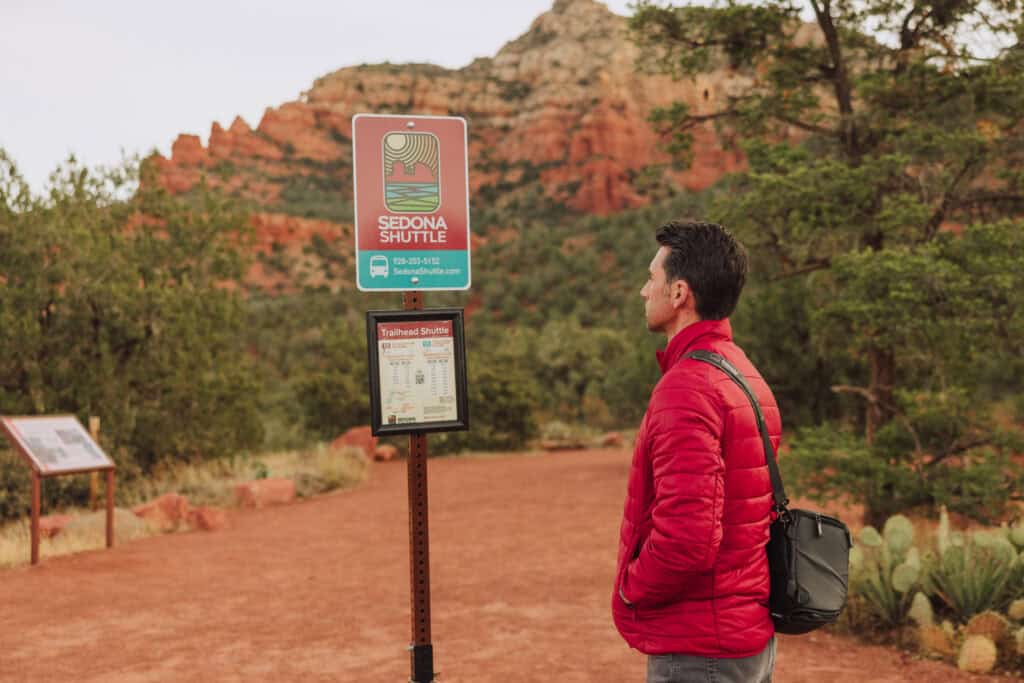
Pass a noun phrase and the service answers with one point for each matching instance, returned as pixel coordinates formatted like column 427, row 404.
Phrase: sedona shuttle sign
column 411, row 202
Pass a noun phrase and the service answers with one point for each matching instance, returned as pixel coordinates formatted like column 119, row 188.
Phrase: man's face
column 657, row 294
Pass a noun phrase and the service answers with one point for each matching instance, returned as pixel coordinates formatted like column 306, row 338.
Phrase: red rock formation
column 294, row 127
column 358, row 437
column 240, row 141
column 187, row 150
column 564, row 98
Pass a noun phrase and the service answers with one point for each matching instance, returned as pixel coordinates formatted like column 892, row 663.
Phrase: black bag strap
column 778, row 491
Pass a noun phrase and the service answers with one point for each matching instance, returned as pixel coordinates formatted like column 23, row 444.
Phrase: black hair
column 711, row 261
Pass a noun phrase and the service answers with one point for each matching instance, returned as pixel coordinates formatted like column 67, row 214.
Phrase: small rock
column 385, row 452
column 165, row 513
column 208, row 519
column 361, row 437
column 612, row 440
column 263, row 492
column 51, row 525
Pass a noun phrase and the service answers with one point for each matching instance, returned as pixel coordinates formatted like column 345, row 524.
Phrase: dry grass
column 213, row 483
column 315, row 470
column 88, row 531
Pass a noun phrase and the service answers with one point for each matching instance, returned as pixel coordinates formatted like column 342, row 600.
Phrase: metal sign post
column 422, row 650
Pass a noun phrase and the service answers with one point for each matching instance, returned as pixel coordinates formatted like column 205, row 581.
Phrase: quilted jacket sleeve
column 686, row 520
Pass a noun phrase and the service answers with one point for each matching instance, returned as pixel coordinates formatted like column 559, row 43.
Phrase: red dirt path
column 523, row 549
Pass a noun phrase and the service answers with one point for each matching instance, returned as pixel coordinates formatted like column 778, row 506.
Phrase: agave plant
column 981, row 573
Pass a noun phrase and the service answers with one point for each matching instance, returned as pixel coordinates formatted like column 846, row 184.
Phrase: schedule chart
column 417, row 372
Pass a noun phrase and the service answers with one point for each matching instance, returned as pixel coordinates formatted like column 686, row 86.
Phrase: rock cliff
column 562, row 111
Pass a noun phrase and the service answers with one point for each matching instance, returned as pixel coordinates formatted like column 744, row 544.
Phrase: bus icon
column 378, row 266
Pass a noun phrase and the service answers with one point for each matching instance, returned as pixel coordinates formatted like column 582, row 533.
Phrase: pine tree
column 884, row 142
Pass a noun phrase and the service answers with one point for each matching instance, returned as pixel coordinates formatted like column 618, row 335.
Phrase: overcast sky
column 93, row 78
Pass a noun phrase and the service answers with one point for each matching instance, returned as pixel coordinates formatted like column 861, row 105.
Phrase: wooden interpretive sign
column 54, row 445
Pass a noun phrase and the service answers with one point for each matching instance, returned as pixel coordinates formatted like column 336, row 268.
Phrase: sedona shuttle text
column 412, row 229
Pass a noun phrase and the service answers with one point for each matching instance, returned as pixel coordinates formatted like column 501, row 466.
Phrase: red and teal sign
column 411, row 202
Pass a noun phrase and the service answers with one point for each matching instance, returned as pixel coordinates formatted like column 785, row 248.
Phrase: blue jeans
column 691, row 669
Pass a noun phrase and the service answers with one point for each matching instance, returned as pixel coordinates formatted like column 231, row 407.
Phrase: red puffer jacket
column 692, row 548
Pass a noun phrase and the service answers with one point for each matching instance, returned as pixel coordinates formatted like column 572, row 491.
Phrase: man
column 692, row 584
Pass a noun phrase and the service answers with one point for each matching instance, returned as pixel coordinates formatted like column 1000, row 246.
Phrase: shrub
column 501, row 401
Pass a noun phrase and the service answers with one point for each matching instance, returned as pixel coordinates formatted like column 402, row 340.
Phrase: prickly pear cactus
column 977, row 655
column 898, row 533
column 921, row 610
column 1016, row 535
column 870, row 537
column 905, row 576
column 992, row 625
column 856, row 559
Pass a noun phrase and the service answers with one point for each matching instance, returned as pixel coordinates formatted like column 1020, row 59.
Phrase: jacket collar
column 687, row 338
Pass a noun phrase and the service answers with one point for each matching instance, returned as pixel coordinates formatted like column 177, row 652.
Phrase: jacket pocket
column 631, row 545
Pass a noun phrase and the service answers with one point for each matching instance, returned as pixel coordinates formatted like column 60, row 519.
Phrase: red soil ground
column 523, row 551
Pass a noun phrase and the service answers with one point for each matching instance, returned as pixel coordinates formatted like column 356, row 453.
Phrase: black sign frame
column 454, row 315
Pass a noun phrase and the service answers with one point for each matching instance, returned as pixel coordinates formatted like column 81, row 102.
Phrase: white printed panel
column 417, row 373
column 57, row 444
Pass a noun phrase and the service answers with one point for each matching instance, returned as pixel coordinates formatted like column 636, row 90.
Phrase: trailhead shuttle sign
column 411, row 202
column 417, row 363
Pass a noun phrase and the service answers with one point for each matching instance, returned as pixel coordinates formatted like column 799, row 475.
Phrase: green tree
column 571, row 358
column 125, row 305
column 335, row 392
column 909, row 129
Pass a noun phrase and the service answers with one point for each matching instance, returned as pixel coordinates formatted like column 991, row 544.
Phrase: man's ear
column 680, row 293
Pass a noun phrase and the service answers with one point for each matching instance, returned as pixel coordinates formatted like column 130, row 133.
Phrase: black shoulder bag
column 808, row 552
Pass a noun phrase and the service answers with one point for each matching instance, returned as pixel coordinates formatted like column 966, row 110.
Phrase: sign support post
column 36, row 495
column 94, row 477
column 422, row 650
column 110, row 508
